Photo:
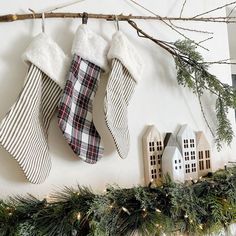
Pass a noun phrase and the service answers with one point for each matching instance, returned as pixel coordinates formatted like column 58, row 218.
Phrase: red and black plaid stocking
column 76, row 105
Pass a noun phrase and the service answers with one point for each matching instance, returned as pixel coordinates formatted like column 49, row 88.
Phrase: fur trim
column 124, row 51
column 90, row 46
column 44, row 53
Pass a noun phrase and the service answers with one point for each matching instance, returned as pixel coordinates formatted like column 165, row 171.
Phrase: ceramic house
column 187, row 141
column 152, row 154
column 203, row 153
column 172, row 160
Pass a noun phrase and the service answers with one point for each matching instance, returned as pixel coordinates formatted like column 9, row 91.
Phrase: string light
column 125, row 210
column 158, row 226
column 158, row 210
column 78, row 216
column 201, row 227
column 186, row 216
column 144, row 209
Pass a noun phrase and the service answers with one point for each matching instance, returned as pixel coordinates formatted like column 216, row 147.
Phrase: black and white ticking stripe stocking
column 126, row 68
column 24, row 130
column 120, row 88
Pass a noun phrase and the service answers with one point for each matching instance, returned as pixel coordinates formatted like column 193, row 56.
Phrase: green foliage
column 195, row 208
column 192, row 73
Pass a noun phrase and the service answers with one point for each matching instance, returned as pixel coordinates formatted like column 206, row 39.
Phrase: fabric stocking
column 126, row 67
column 24, row 130
column 75, row 117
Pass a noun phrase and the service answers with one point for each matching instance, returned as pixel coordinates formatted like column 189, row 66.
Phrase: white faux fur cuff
column 124, row 51
column 44, row 53
column 90, row 46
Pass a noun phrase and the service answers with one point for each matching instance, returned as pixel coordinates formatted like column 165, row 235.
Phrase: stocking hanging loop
column 85, row 18
column 43, row 22
column 117, row 23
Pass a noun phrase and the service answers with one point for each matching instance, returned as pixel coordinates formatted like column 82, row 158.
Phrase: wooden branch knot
column 8, row 18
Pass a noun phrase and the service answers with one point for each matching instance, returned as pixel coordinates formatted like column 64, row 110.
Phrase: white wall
column 231, row 34
column 158, row 99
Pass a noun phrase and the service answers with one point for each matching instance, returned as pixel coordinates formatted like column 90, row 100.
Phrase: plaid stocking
column 125, row 72
column 76, row 105
column 23, row 131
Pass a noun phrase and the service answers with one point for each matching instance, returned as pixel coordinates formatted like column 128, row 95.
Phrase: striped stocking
column 23, row 131
column 125, row 72
column 76, row 105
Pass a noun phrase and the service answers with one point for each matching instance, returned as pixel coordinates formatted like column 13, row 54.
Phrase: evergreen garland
column 197, row 208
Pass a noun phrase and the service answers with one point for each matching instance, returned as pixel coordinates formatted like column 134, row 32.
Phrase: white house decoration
column 187, row 141
column 183, row 157
column 172, row 160
column 204, row 154
column 152, row 153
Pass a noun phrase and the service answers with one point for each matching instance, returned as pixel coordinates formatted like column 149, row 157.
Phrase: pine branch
column 192, row 70
column 198, row 208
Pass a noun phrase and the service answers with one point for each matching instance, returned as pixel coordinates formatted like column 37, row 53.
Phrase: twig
column 182, row 9
column 215, row 9
column 64, row 5
column 169, row 25
column 191, row 30
column 203, row 112
column 205, row 40
column 231, row 11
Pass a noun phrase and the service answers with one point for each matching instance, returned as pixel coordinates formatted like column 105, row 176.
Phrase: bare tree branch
column 215, row 9
column 182, row 9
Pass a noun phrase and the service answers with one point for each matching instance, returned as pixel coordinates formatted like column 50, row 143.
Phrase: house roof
column 185, row 130
column 170, row 152
column 152, row 132
column 171, row 141
column 201, row 139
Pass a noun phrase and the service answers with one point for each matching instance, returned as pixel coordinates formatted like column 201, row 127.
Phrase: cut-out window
column 200, row 155
column 175, row 161
column 192, row 143
column 154, row 176
column 159, row 146
column 201, row 165
column 194, row 169
column 185, row 143
column 192, row 155
column 176, row 168
column 207, row 154
column 208, row 164
column 186, row 156
column 187, row 168
column 180, row 167
column 151, row 147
